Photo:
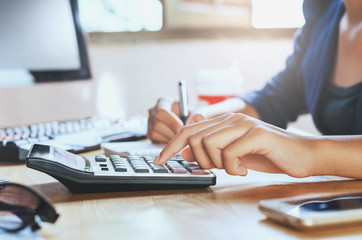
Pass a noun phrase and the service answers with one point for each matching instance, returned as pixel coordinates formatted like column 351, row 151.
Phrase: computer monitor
column 41, row 41
column 42, row 52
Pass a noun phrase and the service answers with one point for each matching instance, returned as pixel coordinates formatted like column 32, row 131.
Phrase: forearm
column 339, row 155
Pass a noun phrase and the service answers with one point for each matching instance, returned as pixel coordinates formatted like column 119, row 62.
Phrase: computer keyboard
column 100, row 173
column 75, row 136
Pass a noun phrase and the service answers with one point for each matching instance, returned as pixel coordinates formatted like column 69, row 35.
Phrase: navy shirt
column 337, row 115
column 299, row 88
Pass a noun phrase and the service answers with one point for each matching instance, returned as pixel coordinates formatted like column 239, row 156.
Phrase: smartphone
column 314, row 211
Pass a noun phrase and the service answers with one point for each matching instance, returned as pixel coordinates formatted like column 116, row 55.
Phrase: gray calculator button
column 176, row 167
column 160, row 170
column 141, row 170
column 101, row 158
column 194, row 168
column 120, row 169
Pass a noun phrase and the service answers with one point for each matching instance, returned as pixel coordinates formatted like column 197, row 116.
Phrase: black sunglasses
column 22, row 206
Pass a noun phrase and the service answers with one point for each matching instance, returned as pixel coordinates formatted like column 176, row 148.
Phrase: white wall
column 143, row 72
column 128, row 78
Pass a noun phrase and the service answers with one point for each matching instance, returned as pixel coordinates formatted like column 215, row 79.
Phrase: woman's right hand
column 164, row 120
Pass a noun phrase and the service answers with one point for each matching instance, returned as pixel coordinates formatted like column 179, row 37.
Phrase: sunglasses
column 22, row 206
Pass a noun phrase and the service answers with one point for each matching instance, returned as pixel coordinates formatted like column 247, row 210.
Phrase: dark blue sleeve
column 282, row 99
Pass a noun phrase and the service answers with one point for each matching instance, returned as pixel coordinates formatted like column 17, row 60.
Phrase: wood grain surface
column 228, row 210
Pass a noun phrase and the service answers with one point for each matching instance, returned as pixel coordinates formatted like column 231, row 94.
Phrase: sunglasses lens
column 21, row 206
column 10, row 221
column 18, row 196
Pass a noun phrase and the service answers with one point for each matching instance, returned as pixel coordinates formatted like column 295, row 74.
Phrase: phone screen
column 337, row 204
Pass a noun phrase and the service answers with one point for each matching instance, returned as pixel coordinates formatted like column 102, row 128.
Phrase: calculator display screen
column 58, row 155
column 68, row 159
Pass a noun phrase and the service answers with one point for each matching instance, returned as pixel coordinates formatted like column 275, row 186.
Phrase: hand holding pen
column 164, row 120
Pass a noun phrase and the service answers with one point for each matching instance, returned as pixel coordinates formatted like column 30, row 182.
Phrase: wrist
column 322, row 164
column 332, row 156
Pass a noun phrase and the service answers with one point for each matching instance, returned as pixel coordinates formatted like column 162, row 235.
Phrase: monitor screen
column 41, row 41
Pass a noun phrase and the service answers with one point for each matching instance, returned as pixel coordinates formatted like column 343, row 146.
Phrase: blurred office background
column 139, row 49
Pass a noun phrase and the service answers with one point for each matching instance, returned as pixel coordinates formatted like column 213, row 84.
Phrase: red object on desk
column 212, row 99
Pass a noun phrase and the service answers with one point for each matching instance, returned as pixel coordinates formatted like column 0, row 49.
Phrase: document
column 134, row 148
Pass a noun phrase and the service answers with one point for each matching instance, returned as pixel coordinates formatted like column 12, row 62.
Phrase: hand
column 164, row 120
column 236, row 142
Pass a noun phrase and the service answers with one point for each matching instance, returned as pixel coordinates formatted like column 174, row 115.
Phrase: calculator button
column 120, row 169
column 176, row 167
column 197, row 171
column 101, row 158
column 178, row 170
column 119, row 164
column 158, row 168
column 194, row 168
column 141, row 170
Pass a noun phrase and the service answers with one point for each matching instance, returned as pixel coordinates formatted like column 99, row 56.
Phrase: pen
column 183, row 101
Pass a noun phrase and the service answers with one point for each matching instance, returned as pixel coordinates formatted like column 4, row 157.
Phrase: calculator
column 100, row 173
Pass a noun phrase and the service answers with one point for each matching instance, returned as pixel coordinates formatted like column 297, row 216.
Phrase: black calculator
column 81, row 174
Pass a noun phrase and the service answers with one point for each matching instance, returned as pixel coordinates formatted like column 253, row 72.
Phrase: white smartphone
column 314, row 211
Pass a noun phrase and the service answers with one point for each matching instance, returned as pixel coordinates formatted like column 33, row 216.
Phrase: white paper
column 135, row 148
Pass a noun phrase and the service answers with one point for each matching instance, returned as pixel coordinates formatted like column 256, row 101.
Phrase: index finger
column 180, row 140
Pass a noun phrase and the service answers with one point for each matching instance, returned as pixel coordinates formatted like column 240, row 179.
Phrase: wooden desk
column 225, row 211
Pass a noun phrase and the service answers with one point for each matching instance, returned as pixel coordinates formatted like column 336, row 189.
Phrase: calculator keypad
column 145, row 165
column 118, row 163
column 138, row 164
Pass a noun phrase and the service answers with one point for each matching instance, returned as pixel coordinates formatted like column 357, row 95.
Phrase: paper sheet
column 135, row 148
